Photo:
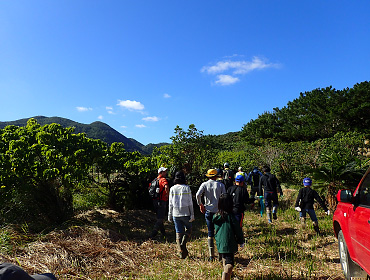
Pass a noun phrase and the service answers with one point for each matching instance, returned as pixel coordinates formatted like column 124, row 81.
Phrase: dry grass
column 103, row 244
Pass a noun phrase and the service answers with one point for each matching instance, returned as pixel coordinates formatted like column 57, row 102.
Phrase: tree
column 42, row 167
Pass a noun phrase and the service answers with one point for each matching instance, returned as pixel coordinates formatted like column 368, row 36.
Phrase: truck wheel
column 350, row 268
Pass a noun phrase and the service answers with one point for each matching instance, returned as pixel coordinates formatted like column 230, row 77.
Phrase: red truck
column 351, row 222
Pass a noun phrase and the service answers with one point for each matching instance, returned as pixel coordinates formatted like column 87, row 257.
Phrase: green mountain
column 95, row 130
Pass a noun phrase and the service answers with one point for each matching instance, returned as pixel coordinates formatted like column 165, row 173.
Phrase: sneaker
column 274, row 216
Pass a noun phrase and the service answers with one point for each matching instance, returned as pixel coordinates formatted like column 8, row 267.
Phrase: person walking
column 160, row 203
column 210, row 191
column 254, row 179
column 240, row 197
column 228, row 234
column 241, row 172
column 269, row 185
column 228, row 176
column 304, row 204
column 181, row 212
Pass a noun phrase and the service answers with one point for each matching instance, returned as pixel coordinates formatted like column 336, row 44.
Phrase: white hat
column 161, row 169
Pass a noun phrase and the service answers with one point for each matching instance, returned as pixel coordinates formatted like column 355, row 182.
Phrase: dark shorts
column 228, row 257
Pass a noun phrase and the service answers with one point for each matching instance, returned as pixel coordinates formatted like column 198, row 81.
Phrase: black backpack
column 153, row 186
column 228, row 178
column 255, row 179
column 271, row 181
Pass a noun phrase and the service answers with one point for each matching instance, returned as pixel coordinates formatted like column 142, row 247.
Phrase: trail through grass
column 104, row 244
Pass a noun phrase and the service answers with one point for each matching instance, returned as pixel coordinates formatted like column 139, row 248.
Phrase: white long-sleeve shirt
column 180, row 202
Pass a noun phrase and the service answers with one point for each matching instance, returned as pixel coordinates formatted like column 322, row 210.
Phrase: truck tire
column 349, row 267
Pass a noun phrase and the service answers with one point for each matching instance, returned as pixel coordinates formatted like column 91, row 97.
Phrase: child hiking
column 228, row 234
column 181, row 212
column 304, row 204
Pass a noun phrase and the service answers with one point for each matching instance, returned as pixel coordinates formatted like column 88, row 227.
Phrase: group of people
column 223, row 205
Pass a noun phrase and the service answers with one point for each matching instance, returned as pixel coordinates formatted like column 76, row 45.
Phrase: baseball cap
column 307, row 181
column 239, row 178
column 10, row 271
column 161, row 169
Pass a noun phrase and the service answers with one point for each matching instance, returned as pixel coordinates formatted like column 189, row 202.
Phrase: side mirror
column 345, row 196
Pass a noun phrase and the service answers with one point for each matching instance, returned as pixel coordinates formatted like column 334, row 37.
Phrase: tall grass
column 109, row 245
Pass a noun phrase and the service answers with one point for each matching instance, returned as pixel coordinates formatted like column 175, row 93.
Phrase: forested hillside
column 95, row 130
column 314, row 115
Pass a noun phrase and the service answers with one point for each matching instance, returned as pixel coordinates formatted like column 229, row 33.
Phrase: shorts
column 227, row 258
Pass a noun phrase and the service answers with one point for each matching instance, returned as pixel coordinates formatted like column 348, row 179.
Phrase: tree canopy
column 316, row 114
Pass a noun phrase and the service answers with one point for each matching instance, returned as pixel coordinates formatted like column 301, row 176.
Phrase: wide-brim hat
column 211, row 173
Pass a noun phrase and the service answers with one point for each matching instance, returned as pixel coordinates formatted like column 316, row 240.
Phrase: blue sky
column 144, row 67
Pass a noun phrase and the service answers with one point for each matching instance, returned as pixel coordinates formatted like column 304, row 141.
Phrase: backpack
column 154, row 189
column 271, row 181
column 228, row 178
column 255, row 179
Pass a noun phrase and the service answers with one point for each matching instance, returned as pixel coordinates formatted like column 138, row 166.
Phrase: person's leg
column 179, row 227
column 253, row 191
column 314, row 220
column 302, row 218
column 211, row 230
column 186, row 237
column 160, row 217
column 239, row 218
column 157, row 223
column 275, row 204
column 268, row 205
column 228, row 264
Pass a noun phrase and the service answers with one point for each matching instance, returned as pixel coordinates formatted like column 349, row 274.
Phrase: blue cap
column 239, row 178
column 307, row 182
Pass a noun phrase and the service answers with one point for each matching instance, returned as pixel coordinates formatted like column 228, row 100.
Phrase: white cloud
column 151, row 119
column 100, row 117
column 83, row 109
column 140, row 125
column 131, row 105
column 228, row 69
column 226, row 80
column 166, row 95
column 123, row 126
column 109, row 110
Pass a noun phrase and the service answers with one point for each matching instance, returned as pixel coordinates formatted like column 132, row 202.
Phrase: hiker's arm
column 260, row 185
column 299, row 197
column 198, row 197
column 320, row 201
